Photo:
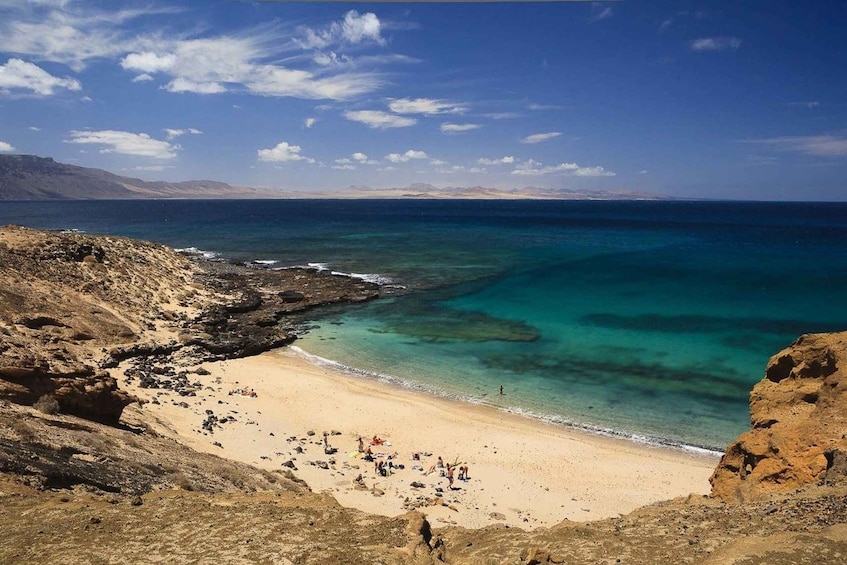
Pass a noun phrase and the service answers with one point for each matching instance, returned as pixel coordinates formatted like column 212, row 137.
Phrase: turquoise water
column 646, row 319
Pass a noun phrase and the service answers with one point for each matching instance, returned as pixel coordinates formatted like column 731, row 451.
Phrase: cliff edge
column 798, row 421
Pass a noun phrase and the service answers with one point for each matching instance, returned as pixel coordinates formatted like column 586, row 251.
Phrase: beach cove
column 649, row 320
column 522, row 472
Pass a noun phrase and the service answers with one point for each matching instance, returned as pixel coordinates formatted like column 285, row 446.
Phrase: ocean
column 649, row 320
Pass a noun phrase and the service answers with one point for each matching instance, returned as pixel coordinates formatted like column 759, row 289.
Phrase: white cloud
column 815, row 145
column 463, row 169
column 331, row 58
column 268, row 80
column 715, row 44
column 283, row 152
column 344, row 167
column 811, row 104
column 405, row 157
column 309, row 122
column 359, row 158
column 126, row 143
column 181, row 84
column 426, row 106
column 6, row 147
column 438, row 162
column 600, row 12
column 34, row 128
column 539, row 137
column 544, row 107
column 18, row 75
column 643, row 172
column 503, row 115
column 172, row 133
column 458, row 128
column 593, row 172
column 148, row 62
column 244, row 61
column 534, row 168
column 508, row 160
column 354, row 28
column 379, row 120
column 62, row 37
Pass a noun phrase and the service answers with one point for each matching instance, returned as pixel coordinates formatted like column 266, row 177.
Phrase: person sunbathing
column 377, row 440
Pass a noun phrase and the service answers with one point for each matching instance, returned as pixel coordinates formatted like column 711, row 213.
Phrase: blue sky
column 693, row 99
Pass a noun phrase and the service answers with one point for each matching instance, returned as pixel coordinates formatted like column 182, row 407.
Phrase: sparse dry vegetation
column 47, row 404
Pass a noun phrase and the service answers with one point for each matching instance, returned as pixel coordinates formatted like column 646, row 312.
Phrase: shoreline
column 523, row 471
column 401, row 384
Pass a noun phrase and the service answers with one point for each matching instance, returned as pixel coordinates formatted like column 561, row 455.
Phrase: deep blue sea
column 646, row 319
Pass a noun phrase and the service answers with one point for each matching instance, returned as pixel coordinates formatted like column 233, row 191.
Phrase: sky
column 730, row 100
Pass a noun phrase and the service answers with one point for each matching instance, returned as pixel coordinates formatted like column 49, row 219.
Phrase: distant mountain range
column 29, row 177
column 421, row 190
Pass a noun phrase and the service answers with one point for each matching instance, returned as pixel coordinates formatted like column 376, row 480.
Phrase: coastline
column 523, row 471
column 551, row 419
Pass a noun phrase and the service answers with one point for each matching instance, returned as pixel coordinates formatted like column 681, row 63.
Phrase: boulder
column 798, row 419
column 79, row 390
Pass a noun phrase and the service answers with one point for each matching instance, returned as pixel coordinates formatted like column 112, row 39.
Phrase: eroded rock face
column 798, row 417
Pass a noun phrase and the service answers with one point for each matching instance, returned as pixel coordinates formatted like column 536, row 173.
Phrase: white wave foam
column 265, row 261
column 367, row 277
column 381, row 280
column 195, row 252
column 71, row 230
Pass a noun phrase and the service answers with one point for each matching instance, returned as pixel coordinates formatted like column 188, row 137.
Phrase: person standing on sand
column 450, row 475
column 361, row 445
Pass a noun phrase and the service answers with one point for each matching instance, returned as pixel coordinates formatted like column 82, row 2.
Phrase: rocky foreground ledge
column 72, row 306
column 85, row 477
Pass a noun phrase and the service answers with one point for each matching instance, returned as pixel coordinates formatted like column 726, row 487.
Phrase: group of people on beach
column 244, row 392
column 384, row 464
column 449, row 470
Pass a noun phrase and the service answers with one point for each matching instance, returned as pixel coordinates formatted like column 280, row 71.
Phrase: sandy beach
column 522, row 472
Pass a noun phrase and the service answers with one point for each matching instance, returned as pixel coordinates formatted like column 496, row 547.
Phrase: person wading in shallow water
column 501, row 390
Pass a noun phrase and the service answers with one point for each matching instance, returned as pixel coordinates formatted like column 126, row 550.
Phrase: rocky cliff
column 798, row 421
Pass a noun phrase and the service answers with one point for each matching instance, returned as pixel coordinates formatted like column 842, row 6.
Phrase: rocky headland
column 72, row 306
column 87, row 476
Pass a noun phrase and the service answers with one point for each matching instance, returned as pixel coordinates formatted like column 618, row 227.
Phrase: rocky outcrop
column 798, row 418
column 71, row 304
column 89, row 394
